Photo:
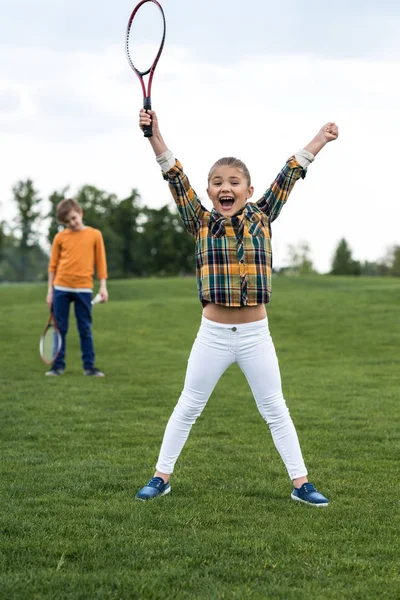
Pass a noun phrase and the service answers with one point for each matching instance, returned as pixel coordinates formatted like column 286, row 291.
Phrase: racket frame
column 147, row 131
column 51, row 323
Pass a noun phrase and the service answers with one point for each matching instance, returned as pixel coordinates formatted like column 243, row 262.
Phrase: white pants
column 216, row 347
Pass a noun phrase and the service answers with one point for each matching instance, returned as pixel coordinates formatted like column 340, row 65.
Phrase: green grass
column 75, row 450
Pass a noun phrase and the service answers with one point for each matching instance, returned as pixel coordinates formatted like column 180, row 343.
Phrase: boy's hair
column 64, row 208
column 230, row 161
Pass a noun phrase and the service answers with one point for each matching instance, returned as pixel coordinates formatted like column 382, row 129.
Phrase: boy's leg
column 83, row 314
column 61, row 302
column 209, row 358
column 259, row 363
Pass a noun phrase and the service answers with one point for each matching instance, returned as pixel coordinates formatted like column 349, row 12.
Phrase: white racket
column 96, row 299
column 51, row 341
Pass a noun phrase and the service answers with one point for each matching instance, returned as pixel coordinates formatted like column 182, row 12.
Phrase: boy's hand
column 329, row 132
column 49, row 299
column 104, row 294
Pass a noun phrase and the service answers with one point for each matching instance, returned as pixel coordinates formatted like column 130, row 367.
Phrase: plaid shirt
column 233, row 254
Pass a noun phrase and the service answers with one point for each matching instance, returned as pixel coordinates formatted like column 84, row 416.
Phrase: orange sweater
column 74, row 255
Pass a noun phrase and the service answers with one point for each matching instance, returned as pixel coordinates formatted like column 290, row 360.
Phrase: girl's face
column 228, row 190
column 73, row 220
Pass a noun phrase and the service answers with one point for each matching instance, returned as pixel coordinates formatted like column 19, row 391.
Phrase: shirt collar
column 246, row 212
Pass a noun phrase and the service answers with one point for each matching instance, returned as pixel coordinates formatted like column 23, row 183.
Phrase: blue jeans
column 83, row 313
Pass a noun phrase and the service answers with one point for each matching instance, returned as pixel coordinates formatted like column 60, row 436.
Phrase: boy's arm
column 101, row 266
column 52, row 269
column 276, row 195
column 103, row 290
column 189, row 206
column 49, row 297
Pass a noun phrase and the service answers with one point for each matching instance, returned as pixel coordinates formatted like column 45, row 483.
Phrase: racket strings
column 50, row 344
column 145, row 37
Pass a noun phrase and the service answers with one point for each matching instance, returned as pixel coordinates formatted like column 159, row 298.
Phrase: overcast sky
column 256, row 80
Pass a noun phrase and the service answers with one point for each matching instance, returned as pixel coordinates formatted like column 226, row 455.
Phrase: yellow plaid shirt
column 233, row 254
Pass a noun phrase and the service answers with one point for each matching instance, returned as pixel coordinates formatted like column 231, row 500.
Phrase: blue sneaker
column 156, row 487
column 308, row 494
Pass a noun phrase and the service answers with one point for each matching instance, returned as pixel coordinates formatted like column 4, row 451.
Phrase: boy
column 74, row 253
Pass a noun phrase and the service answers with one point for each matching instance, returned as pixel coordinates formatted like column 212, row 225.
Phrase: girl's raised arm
column 186, row 200
column 327, row 133
column 156, row 141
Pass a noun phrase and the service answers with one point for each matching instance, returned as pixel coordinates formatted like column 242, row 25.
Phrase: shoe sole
column 167, row 491
column 309, row 503
column 90, row 375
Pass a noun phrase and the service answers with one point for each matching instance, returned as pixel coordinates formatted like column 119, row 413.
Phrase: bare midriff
column 233, row 314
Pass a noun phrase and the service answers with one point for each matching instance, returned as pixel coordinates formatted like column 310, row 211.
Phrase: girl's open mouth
column 227, row 202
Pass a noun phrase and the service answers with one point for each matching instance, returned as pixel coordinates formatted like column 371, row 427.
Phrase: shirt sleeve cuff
column 304, row 158
column 166, row 160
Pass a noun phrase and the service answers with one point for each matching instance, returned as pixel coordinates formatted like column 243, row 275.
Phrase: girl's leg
column 258, row 361
column 211, row 355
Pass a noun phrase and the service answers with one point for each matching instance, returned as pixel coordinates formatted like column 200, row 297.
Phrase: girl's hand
column 146, row 118
column 156, row 140
column 329, row 132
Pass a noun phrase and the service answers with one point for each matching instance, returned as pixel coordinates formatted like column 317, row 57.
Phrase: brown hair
column 64, row 208
column 230, row 161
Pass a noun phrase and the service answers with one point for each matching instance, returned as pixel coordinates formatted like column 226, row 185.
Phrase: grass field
column 75, row 450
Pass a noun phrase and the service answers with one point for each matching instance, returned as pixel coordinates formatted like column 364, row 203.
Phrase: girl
column 234, row 267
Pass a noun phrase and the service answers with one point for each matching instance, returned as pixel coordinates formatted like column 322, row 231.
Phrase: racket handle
column 147, row 131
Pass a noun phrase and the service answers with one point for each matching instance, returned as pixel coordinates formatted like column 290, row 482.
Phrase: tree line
column 343, row 263
column 140, row 241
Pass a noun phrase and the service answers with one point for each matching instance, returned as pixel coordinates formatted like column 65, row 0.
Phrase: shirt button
column 234, row 328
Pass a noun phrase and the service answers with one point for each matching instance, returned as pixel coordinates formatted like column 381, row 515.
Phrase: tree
column 8, row 248
column 395, row 268
column 299, row 259
column 368, row 268
column 343, row 263
column 33, row 259
column 167, row 247
column 125, row 223
column 29, row 260
column 3, row 237
column 117, row 221
column 27, row 200
column 390, row 264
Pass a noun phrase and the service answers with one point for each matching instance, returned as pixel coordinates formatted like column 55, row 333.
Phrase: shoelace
column 156, row 482
column 308, row 487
